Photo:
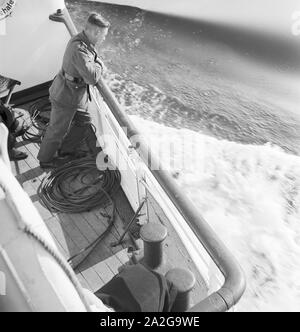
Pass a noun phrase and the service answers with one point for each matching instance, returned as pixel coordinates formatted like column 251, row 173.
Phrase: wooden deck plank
column 114, row 264
column 28, row 183
column 100, row 252
column 65, row 241
column 99, row 224
column 103, row 271
column 83, row 226
column 71, row 229
column 28, row 187
column 122, row 256
column 93, row 279
column 33, row 162
column 83, row 282
column 21, row 169
column 96, row 221
column 62, row 248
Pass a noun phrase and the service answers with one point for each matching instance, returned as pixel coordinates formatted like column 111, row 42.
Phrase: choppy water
column 237, row 95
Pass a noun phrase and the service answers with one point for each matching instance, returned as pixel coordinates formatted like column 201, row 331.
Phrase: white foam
column 250, row 195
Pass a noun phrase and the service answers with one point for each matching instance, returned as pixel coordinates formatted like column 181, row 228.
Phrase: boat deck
column 73, row 232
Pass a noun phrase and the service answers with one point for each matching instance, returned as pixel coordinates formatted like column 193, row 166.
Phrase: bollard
column 184, row 281
column 153, row 235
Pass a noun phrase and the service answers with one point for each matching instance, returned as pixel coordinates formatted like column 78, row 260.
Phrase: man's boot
column 16, row 155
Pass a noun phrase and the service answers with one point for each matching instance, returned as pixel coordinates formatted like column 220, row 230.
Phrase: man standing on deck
column 70, row 92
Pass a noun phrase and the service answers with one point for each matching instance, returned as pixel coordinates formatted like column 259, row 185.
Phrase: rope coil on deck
column 95, row 188
column 39, row 112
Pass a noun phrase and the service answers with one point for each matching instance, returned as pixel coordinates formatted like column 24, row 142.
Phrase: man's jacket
column 82, row 63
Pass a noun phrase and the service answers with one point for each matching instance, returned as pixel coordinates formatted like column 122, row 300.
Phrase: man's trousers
column 60, row 123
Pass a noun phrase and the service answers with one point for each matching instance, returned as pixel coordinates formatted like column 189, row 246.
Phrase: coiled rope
column 78, row 186
column 39, row 113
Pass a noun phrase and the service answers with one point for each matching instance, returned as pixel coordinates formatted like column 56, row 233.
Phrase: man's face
column 99, row 35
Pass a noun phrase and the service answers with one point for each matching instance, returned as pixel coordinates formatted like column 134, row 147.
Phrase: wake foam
column 250, row 195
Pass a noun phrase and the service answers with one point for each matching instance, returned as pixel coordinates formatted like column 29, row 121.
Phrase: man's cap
column 98, row 20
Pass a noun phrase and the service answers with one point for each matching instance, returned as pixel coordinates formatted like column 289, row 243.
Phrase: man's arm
column 88, row 69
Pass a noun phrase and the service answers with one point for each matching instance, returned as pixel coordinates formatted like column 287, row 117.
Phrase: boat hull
column 31, row 45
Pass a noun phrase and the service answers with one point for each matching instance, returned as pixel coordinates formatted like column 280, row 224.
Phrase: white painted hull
column 31, row 46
